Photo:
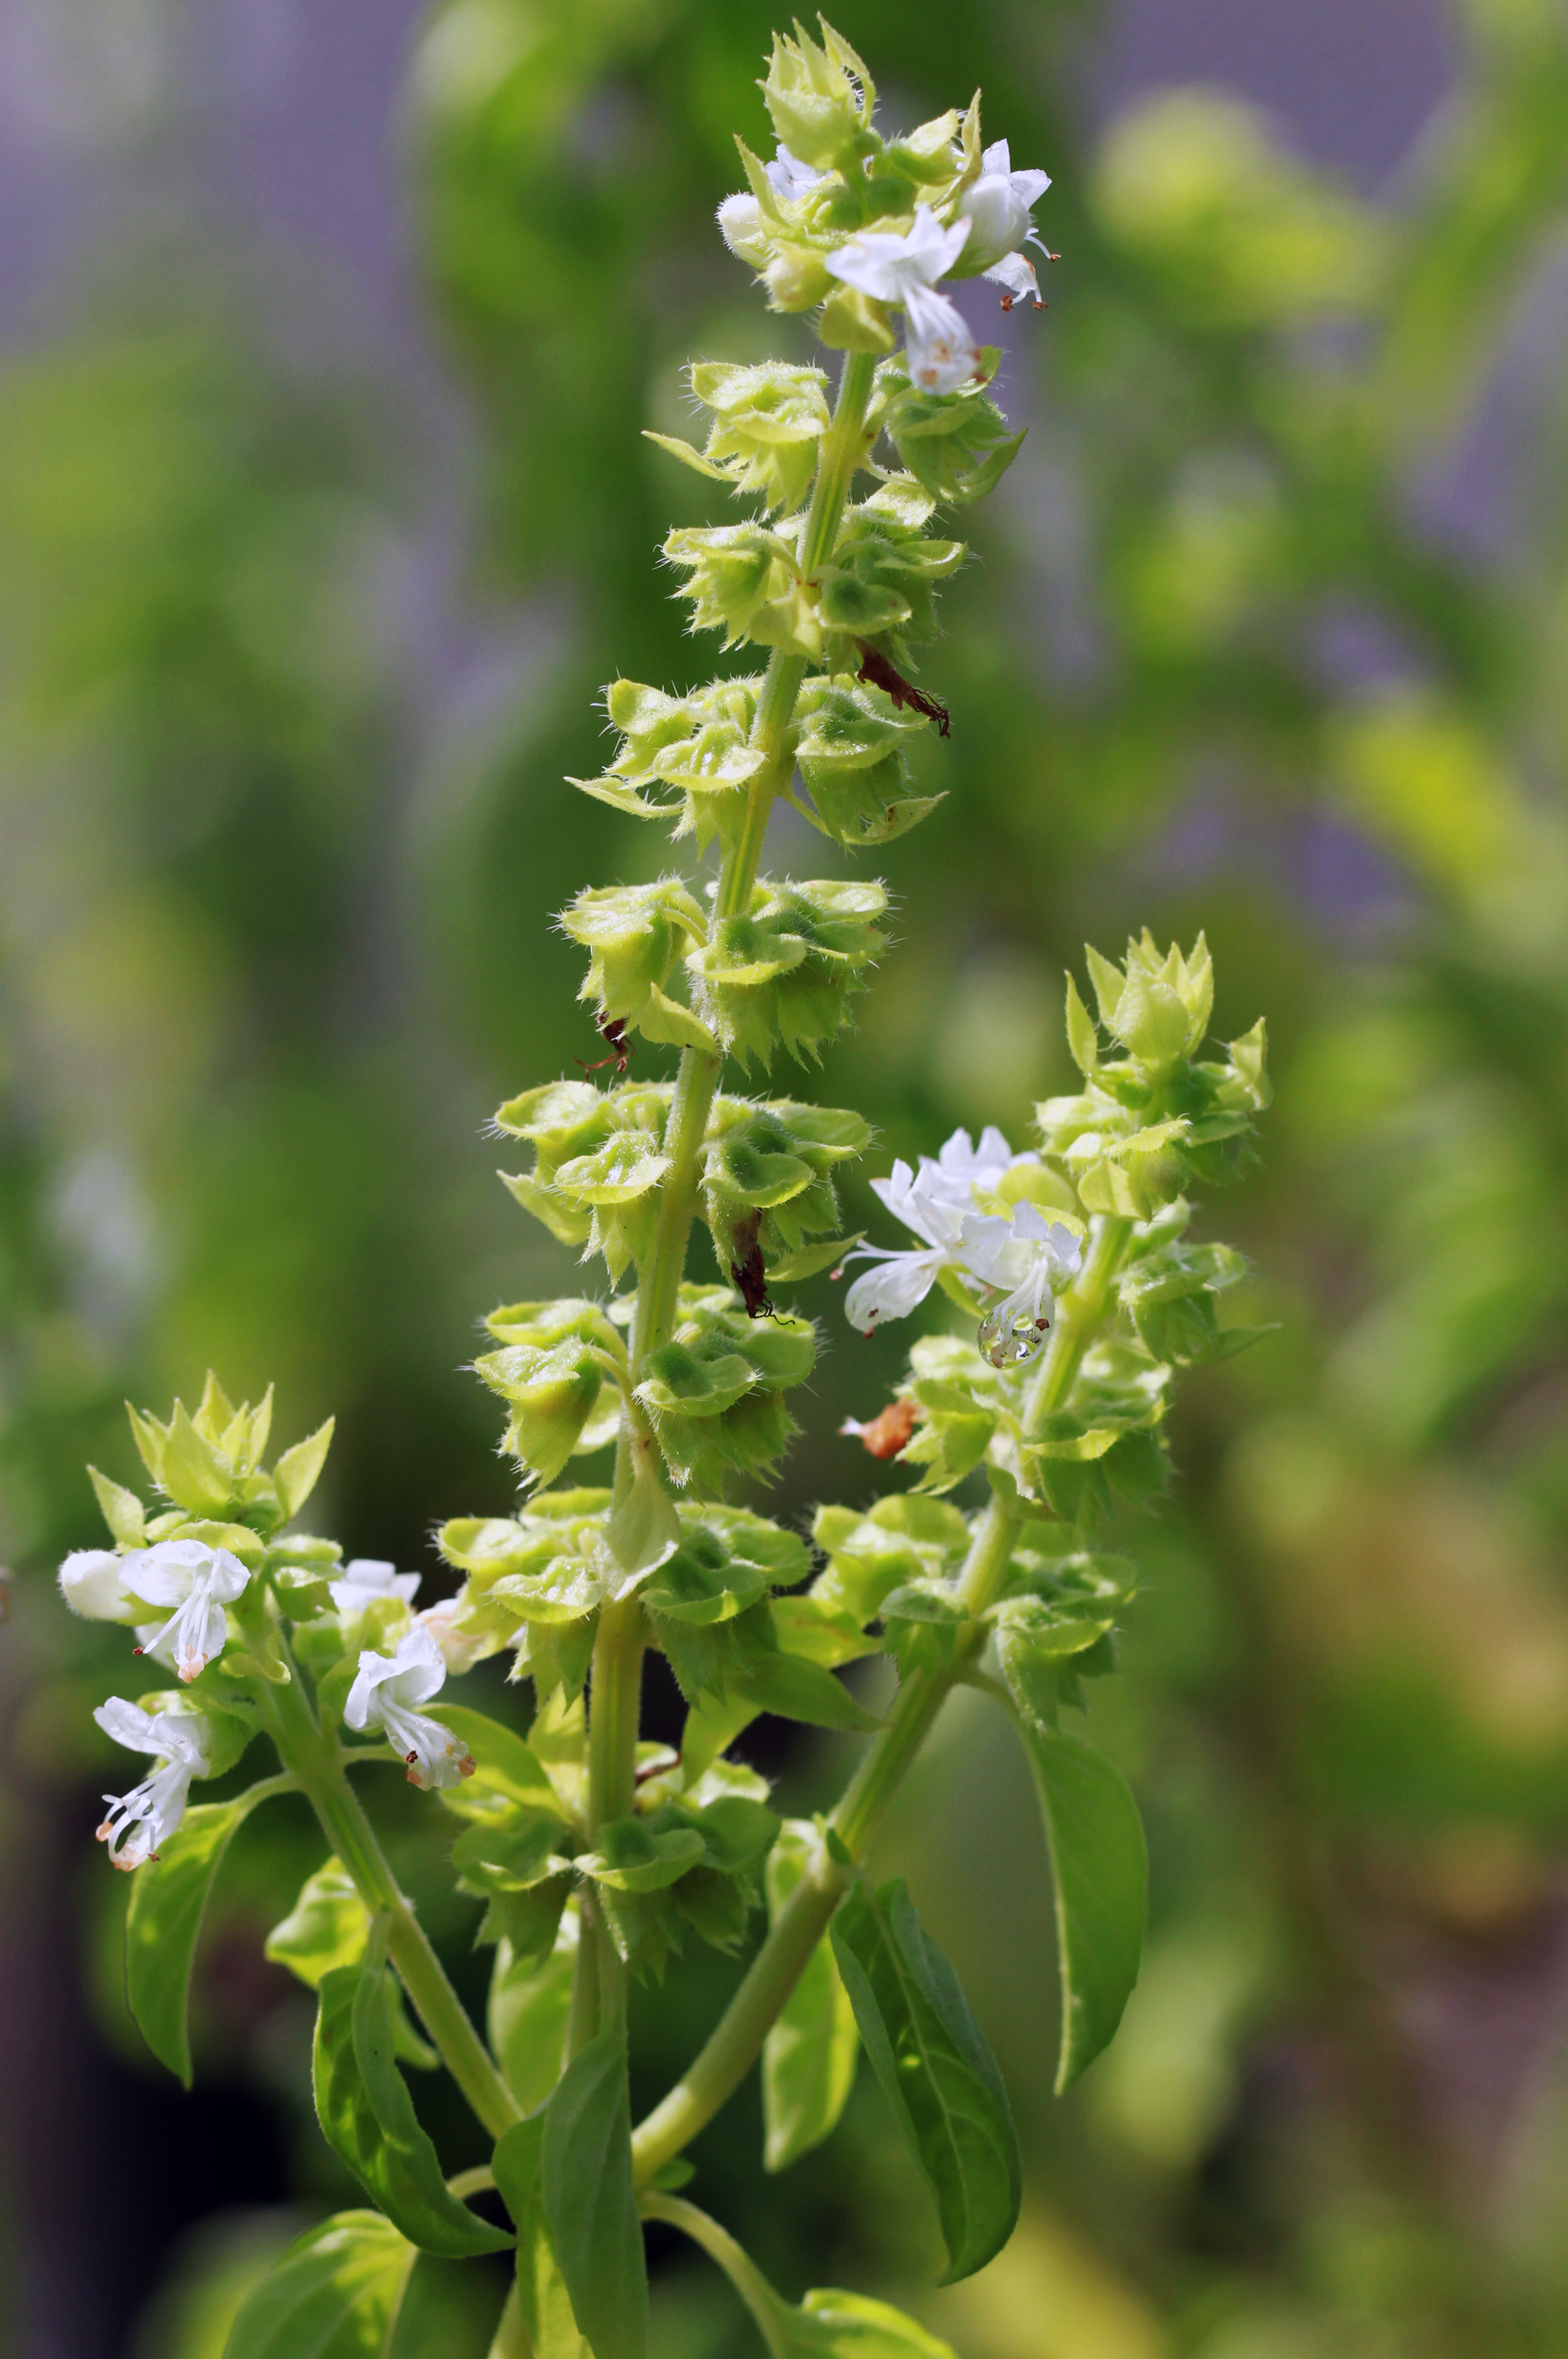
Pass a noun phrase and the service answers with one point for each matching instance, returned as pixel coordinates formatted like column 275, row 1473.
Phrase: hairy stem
column 598, row 1980
column 618, row 1650
column 737, row 2040
column 314, row 1759
column 842, row 449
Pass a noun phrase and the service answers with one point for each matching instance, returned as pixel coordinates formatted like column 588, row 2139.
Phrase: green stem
column 742, row 2271
column 315, row 1762
column 737, row 2039
column 512, row 2339
column 616, row 1697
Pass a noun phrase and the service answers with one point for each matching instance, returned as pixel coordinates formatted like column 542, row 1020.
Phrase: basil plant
column 1026, row 1422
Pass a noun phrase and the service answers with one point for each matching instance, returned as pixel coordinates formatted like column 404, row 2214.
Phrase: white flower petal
column 940, row 351
column 433, row 1755
column 996, row 1155
column 459, row 1648
column 1061, row 1247
column 129, row 1725
column 892, row 269
column 138, row 1823
column 789, row 178
column 395, row 1682
column 891, row 1291
column 164, row 1575
column 986, row 1244
column 365, row 1577
column 1015, row 273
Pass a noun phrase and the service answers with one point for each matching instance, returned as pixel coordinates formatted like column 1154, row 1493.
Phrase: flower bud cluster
column 868, row 227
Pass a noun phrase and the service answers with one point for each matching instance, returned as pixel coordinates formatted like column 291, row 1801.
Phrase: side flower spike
column 383, row 1696
column 941, row 352
column 997, row 207
column 138, row 1822
column 198, row 1581
column 367, row 1578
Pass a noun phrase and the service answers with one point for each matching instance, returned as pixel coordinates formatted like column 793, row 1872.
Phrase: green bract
column 820, row 97
column 784, row 970
column 767, row 423
column 955, row 445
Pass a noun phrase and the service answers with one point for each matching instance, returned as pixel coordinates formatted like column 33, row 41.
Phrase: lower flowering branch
column 737, row 2042
column 315, row 1761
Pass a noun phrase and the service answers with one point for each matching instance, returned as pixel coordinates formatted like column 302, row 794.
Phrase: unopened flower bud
column 91, row 1585
column 741, row 227
column 797, row 277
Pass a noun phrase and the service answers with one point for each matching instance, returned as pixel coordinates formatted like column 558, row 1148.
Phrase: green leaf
column 590, row 2203
column 327, row 1926
column 832, row 2324
column 936, row 2070
column 333, row 2294
column 297, row 1471
column 169, row 1900
column 367, row 2118
column 511, row 1853
column 808, row 2057
column 506, row 1774
column 542, row 2294
column 635, row 1856
column 1100, row 1863
column 531, row 2001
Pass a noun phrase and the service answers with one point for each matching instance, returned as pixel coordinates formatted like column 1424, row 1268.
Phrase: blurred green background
column 322, row 518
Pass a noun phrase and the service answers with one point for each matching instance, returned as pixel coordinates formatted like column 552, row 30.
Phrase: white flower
column 459, row 1648
column 941, row 352
column 1021, row 1256
column 1043, row 1254
column 960, row 1168
column 91, row 1584
column 382, row 1696
column 365, row 1577
column 1015, row 272
column 199, row 1582
column 997, row 207
column 138, row 1822
column 789, row 178
column 939, row 1206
